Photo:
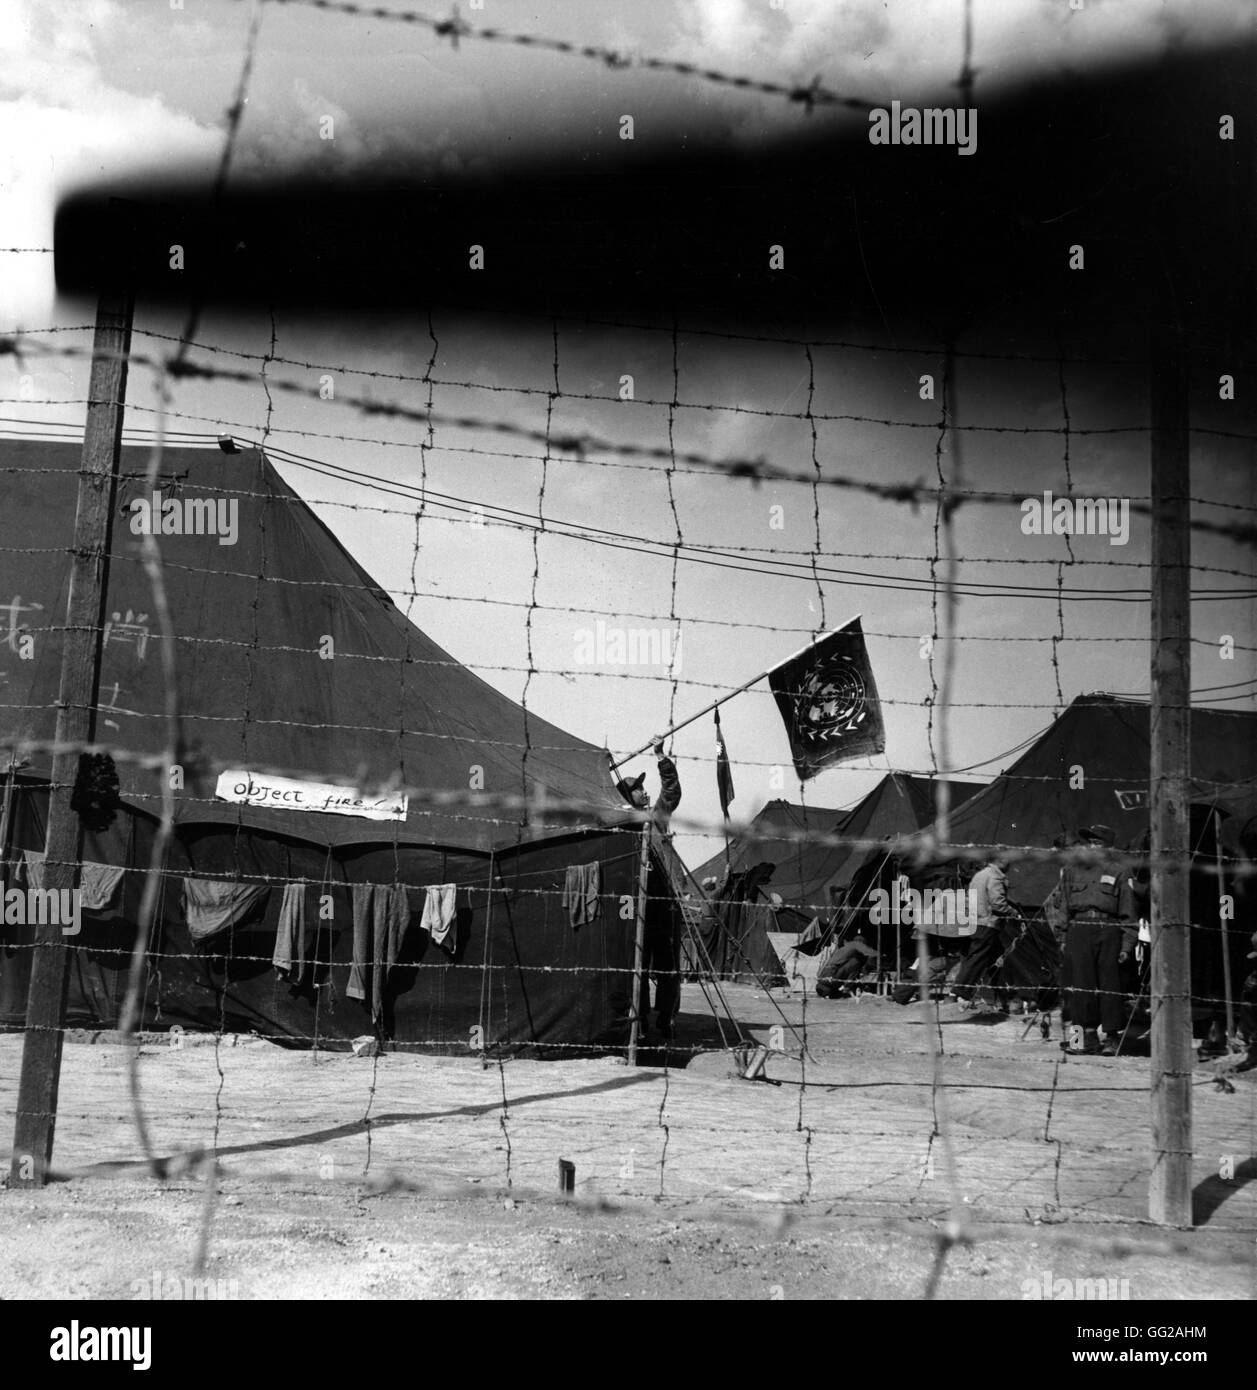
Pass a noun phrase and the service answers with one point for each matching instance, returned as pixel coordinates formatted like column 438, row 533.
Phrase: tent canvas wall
column 809, row 877
column 801, row 869
column 726, row 935
column 731, row 937
column 256, row 692
column 1092, row 766
column 901, row 804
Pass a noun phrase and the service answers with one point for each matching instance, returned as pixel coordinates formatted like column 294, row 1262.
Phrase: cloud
column 914, row 47
column 62, row 124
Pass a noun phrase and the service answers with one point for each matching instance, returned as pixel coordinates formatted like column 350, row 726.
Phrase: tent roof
column 1100, row 745
column 770, row 838
column 899, row 804
column 253, row 691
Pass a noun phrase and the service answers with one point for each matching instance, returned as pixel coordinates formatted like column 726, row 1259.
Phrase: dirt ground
column 406, row 1176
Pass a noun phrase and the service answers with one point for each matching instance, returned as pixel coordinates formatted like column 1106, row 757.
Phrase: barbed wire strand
column 455, row 28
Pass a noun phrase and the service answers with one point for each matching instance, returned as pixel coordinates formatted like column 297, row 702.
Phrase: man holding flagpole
column 661, row 952
column 828, row 699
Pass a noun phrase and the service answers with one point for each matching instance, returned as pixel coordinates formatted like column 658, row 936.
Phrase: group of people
column 1097, row 914
column 1093, row 915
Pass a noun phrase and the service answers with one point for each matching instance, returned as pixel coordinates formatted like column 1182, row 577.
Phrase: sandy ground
column 405, row 1176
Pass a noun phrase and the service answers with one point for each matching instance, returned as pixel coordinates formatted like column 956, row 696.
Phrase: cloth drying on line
column 97, row 882
column 381, row 916
column 361, row 895
column 581, row 889
column 214, row 904
column 290, row 939
column 438, row 918
column 392, row 917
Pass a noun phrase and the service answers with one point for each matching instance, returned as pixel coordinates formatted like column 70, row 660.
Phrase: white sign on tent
column 289, row 794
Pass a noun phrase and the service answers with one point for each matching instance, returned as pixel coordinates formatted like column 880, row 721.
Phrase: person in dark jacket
column 633, row 790
column 661, row 953
column 1096, row 903
column 844, row 966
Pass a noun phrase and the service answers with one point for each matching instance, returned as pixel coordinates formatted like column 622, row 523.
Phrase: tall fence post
column 76, row 723
column 1170, row 1188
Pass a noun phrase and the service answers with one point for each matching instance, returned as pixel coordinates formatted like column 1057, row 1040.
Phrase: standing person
column 661, row 951
column 1058, row 920
column 1097, row 905
column 995, row 917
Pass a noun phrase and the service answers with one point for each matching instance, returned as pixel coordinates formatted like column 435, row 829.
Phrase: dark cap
column 1099, row 834
column 628, row 785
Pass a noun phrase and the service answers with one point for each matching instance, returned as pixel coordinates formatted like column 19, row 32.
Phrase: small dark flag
column 724, row 773
column 828, row 699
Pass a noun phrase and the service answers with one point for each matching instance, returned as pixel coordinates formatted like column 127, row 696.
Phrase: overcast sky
column 98, row 89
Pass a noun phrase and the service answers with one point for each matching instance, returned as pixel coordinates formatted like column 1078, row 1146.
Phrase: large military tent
column 723, row 935
column 810, row 877
column 773, row 837
column 1237, row 806
column 900, row 804
column 1092, row 766
column 730, row 939
column 289, row 658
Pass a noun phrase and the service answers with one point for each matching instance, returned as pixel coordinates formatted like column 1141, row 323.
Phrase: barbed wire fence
column 1020, row 1129
column 814, row 1119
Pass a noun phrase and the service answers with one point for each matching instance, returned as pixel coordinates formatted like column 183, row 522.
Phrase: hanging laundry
column 214, row 904
column 582, row 886
column 381, row 916
column 391, row 914
column 438, row 918
column 361, row 895
column 97, row 882
column 34, row 867
column 290, row 939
